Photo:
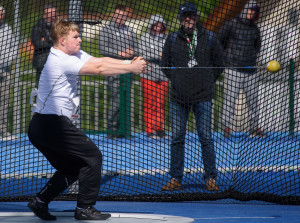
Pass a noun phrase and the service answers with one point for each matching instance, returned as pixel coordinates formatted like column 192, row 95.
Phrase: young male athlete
column 69, row 151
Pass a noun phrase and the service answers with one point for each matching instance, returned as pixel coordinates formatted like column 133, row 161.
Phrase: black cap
column 187, row 8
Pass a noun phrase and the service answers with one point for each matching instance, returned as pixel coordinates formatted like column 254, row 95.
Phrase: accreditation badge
column 192, row 62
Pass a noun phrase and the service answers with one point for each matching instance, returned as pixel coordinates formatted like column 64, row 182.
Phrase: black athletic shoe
column 161, row 134
column 111, row 136
column 90, row 213
column 40, row 210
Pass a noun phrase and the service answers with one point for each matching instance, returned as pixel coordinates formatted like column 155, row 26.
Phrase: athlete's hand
column 139, row 65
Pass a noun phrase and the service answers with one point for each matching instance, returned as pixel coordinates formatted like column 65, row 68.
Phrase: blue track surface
column 222, row 211
column 139, row 165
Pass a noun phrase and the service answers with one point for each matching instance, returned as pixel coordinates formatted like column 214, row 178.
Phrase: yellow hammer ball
column 273, row 66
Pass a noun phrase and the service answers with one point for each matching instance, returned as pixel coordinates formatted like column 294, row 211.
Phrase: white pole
column 16, row 83
column 75, row 15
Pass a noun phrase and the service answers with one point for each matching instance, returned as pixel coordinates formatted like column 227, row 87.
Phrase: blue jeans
column 179, row 118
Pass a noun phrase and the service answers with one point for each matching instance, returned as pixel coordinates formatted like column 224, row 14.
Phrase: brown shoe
column 211, row 185
column 172, row 185
column 258, row 133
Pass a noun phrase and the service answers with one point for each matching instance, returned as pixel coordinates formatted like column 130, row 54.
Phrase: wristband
column 126, row 62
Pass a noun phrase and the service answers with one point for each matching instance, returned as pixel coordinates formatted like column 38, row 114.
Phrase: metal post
column 75, row 15
column 291, row 103
column 125, row 105
column 16, row 82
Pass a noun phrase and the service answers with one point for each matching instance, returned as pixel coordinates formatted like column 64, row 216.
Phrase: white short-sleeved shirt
column 57, row 85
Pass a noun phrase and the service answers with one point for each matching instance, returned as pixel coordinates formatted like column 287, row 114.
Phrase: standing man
column 241, row 42
column 41, row 40
column 51, row 131
column 117, row 40
column 192, row 87
column 8, row 50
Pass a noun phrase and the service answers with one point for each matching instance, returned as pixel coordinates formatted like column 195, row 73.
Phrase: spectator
column 41, row 40
column 192, row 87
column 154, row 84
column 241, row 42
column 8, row 49
column 70, row 151
column 117, row 40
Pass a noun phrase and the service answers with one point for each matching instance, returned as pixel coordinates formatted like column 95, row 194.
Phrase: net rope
column 236, row 122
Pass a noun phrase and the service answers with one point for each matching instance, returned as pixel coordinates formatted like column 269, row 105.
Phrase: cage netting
column 212, row 117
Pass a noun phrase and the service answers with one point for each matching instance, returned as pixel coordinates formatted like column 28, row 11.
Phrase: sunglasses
column 188, row 15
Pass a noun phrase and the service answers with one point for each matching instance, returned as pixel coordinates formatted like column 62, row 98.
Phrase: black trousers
column 71, row 153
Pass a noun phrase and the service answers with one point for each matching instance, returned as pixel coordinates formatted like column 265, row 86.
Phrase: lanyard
column 192, row 45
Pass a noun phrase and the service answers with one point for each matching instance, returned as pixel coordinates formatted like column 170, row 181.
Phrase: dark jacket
column 190, row 85
column 41, row 48
column 241, row 42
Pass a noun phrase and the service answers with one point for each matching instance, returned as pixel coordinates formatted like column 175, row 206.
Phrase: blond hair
column 62, row 28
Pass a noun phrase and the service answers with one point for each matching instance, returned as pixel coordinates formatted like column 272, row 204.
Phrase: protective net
column 211, row 117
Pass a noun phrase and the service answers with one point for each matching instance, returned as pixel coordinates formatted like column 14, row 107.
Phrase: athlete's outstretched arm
column 108, row 66
column 107, row 59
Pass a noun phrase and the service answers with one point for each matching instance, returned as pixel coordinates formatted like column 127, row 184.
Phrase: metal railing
column 94, row 107
column 95, row 104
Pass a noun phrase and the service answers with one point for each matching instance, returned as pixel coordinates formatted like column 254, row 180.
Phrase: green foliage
column 27, row 23
column 31, row 10
column 99, row 6
column 91, row 47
